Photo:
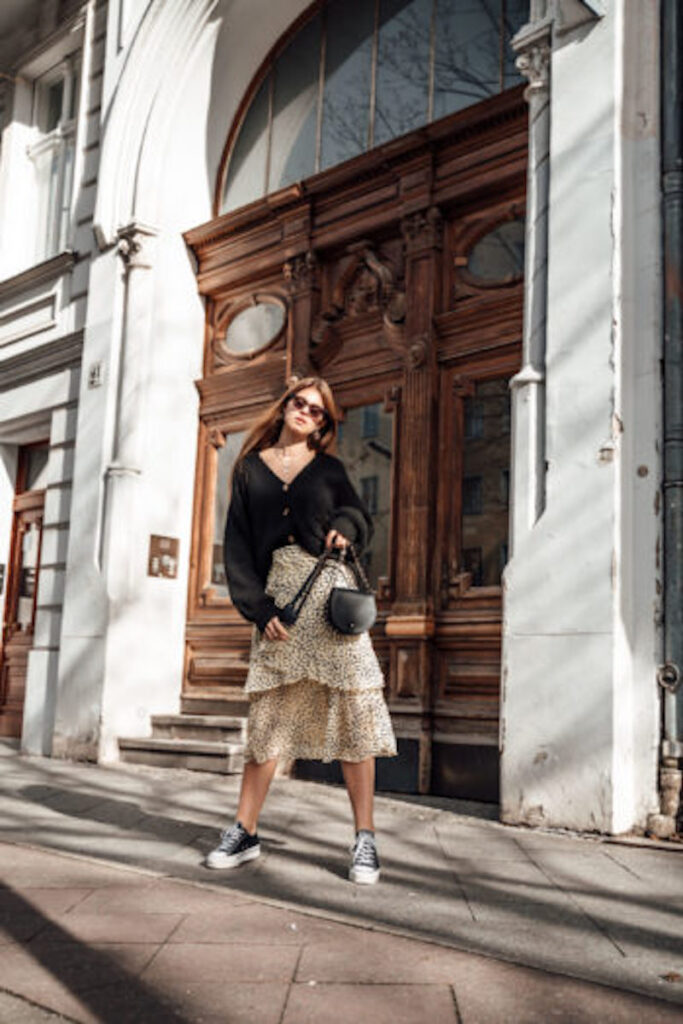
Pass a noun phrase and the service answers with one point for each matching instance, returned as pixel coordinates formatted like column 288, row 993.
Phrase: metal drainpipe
column 669, row 674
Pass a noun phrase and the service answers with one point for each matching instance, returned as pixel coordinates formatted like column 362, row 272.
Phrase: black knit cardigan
column 265, row 514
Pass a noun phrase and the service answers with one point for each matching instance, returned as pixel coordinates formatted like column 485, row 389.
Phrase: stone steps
column 203, row 743
column 206, row 727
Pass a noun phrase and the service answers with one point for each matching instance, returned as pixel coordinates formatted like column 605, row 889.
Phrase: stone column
column 122, row 474
column 528, row 386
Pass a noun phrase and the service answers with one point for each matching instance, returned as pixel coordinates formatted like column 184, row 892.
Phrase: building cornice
column 41, row 273
column 66, row 38
column 41, row 360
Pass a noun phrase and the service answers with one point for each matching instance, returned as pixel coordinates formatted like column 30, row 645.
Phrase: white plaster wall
column 86, row 608
column 579, row 633
column 43, row 663
column 8, row 476
column 17, row 211
column 637, row 327
column 122, row 654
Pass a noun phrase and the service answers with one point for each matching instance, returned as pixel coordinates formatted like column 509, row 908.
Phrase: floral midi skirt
column 318, row 694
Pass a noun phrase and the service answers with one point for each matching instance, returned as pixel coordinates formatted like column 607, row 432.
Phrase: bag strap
column 293, row 607
column 359, row 572
column 307, row 585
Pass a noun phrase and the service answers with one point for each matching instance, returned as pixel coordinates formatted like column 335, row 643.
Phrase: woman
column 313, row 692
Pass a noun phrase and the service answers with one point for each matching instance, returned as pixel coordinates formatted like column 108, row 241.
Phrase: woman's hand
column 275, row 630
column 335, row 539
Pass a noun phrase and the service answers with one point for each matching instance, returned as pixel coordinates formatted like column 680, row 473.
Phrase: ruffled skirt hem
column 307, row 720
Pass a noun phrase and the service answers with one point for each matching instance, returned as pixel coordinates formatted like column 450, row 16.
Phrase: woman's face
column 305, row 412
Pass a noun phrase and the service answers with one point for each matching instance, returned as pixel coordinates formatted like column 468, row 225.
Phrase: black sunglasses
column 316, row 412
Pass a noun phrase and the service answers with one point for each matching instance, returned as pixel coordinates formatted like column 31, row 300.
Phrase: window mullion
column 373, row 79
column 432, row 64
column 321, row 89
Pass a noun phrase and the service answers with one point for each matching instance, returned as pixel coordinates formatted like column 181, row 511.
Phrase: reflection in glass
column 467, row 55
column 516, row 15
column 28, row 575
column 368, row 463
column 295, row 108
column 346, row 96
column 246, row 178
column 402, row 67
column 486, row 466
column 499, row 256
column 225, row 461
column 254, row 327
column 36, row 468
column 421, row 60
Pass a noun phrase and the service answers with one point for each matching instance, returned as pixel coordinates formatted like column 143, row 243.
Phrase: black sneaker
column 235, row 847
column 365, row 863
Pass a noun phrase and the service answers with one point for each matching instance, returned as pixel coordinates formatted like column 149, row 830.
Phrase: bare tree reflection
column 433, row 58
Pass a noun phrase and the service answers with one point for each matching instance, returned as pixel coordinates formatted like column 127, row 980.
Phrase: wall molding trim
column 41, row 361
column 41, row 273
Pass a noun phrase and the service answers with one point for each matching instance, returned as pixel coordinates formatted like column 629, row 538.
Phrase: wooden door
column 397, row 277
column 20, row 607
column 469, row 556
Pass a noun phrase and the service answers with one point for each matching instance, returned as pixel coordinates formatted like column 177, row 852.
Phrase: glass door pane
column 366, row 448
column 28, row 576
column 485, row 481
column 225, row 460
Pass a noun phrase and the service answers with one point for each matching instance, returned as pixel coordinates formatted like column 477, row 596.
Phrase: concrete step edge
column 207, row 721
column 219, row 748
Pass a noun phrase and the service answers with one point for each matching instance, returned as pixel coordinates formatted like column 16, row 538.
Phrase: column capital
column 301, row 272
column 422, row 230
column 133, row 244
column 533, row 45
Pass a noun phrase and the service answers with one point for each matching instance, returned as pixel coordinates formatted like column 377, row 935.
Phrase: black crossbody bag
column 349, row 611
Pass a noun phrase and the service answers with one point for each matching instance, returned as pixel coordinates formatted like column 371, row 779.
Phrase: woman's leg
column 256, row 781
column 359, row 777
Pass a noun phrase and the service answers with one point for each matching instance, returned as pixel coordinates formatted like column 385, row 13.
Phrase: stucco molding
column 40, row 274
column 149, row 87
column 41, row 361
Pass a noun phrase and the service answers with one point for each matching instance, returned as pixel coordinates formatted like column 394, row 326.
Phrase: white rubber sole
column 363, row 877
column 217, row 860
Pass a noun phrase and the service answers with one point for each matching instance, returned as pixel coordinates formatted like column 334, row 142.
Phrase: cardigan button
column 290, row 539
column 285, row 511
column 285, row 487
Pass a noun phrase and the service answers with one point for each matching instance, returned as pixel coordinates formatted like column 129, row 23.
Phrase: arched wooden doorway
column 397, row 276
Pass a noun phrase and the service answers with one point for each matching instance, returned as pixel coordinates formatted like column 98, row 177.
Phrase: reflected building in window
column 485, row 481
column 366, row 449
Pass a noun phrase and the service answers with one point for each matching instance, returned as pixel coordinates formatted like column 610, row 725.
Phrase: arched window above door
column 359, row 73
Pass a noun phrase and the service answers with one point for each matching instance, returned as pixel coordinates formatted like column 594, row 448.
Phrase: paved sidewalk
column 114, row 917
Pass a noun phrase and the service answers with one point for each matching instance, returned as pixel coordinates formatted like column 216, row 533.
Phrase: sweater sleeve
column 246, row 589
column 350, row 515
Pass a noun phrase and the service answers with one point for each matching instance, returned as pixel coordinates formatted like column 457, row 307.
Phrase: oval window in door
column 498, row 257
column 255, row 327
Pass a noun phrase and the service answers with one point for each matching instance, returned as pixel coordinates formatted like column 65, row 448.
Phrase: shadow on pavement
column 98, row 981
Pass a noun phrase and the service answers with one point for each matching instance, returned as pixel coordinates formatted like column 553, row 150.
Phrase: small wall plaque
column 163, row 556
column 95, row 375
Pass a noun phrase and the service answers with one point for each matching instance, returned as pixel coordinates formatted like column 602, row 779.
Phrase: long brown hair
column 266, row 430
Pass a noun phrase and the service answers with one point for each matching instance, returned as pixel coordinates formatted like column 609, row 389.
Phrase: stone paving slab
column 14, row 1010
column 580, row 907
column 249, row 961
